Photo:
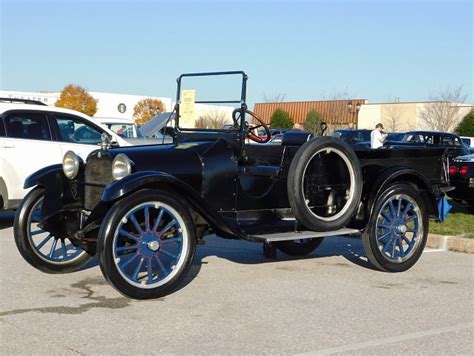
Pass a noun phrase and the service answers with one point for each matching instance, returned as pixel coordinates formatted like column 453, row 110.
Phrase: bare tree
column 275, row 98
column 444, row 110
column 212, row 119
column 391, row 116
column 339, row 109
column 337, row 94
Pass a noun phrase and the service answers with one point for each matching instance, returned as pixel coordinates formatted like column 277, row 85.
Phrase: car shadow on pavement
column 6, row 219
column 245, row 252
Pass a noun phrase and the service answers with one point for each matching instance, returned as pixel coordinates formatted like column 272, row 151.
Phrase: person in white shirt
column 377, row 137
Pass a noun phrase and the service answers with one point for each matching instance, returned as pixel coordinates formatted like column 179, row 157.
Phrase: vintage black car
column 142, row 210
column 353, row 136
column 429, row 139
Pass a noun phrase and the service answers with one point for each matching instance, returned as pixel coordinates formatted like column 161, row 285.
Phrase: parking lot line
column 390, row 340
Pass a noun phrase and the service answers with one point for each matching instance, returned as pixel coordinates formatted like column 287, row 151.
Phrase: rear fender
column 159, row 180
column 402, row 174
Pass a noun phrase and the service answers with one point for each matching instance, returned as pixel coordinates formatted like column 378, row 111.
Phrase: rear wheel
column 299, row 247
column 42, row 250
column 146, row 244
column 398, row 229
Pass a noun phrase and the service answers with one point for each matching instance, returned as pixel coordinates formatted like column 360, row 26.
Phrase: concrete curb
column 451, row 243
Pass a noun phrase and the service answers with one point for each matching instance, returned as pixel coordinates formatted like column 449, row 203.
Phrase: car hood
column 150, row 150
column 175, row 159
column 138, row 141
column 188, row 161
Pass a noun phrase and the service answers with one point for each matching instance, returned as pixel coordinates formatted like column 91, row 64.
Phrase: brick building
column 336, row 113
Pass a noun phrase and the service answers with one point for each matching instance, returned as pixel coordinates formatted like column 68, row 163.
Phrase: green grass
column 460, row 222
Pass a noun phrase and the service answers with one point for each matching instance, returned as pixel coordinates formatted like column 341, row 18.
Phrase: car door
column 76, row 134
column 26, row 148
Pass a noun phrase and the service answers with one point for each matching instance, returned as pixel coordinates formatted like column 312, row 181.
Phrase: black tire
column 299, row 247
column 470, row 206
column 33, row 252
column 121, row 238
column 336, row 160
column 378, row 239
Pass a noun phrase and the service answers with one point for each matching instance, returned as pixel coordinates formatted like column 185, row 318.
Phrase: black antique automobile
column 143, row 209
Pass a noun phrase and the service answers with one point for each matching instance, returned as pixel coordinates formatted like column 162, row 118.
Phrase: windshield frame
column 241, row 102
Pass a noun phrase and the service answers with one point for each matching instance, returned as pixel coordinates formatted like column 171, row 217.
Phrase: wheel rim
column 51, row 249
column 337, row 206
column 399, row 228
column 150, row 245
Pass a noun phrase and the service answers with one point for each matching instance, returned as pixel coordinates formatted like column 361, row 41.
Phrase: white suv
column 125, row 128
column 33, row 136
column 469, row 141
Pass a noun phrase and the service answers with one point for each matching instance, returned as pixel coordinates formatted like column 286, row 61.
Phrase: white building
column 400, row 116
column 109, row 105
column 112, row 105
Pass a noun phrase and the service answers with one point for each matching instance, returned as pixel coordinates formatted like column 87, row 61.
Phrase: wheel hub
column 153, row 245
column 398, row 228
column 402, row 228
column 149, row 244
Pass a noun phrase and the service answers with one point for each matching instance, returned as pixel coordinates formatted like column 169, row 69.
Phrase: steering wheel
column 250, row 134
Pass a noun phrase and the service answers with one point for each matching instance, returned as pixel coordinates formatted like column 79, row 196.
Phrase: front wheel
column 398, row 229
column 41, row 249
column 146, row 244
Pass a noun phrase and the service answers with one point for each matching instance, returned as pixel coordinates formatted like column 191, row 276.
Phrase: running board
column 301, row 235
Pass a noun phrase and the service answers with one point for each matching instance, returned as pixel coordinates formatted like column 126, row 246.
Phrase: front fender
column 134, row 181
column 59, row 191
column 39, row 177
column 151, row 179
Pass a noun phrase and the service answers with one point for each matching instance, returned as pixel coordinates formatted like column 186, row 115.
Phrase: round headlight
column 71, row 164
column 121, row 166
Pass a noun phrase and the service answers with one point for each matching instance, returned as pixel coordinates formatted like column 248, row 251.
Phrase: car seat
column 34, row 131
column 15, row 129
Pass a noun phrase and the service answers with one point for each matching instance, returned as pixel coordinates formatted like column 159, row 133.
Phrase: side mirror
column 169, row 131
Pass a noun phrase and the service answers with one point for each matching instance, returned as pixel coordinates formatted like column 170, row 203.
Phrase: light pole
column 350, row 108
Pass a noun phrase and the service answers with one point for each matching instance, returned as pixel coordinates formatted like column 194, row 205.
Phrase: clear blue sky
column 307, row 50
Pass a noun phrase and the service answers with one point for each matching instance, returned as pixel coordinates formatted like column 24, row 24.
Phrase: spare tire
column 324, row 184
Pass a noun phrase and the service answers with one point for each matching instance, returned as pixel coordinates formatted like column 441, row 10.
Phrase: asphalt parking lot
column 235, row 301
